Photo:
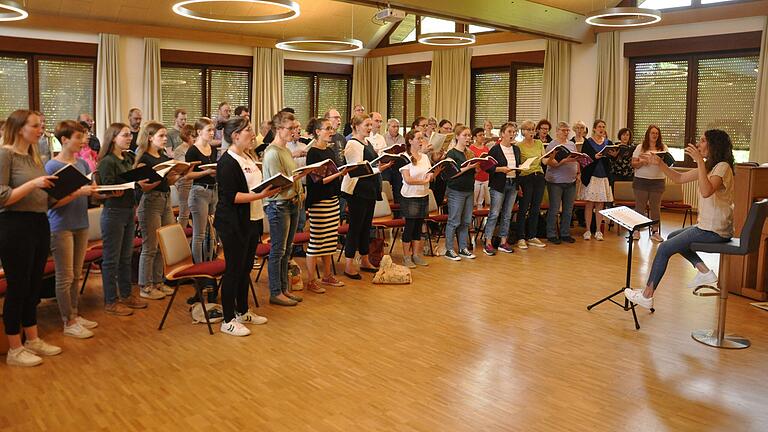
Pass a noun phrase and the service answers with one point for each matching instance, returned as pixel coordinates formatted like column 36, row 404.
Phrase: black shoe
column 355, row 276
column 299, row 253
column 568, row 239
column 280, row 302
column 554, row 240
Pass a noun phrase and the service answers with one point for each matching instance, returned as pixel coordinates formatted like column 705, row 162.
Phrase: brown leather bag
column 376, row 251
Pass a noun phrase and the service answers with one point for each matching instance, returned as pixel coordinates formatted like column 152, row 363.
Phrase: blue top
column 73, row 216
column 600, row 170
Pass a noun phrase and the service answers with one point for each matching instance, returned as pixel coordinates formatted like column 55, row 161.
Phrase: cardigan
column 231, row 217
column 498, row 180
column 589, row 170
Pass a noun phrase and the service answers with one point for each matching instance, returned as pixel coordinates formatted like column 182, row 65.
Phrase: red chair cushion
column 301, row 238
column 343, row 229
column 481, row 213
column 392, row 223
column 675, row 205
column 441, row 218
column 262, row 249
column 624, row 203
column 3, row 286
column 188, row 231
column 579, row 203
column 92, row 255
column 209, row 268
column 50, row 268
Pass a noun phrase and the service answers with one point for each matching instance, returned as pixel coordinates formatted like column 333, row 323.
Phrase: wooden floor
column 501, row 343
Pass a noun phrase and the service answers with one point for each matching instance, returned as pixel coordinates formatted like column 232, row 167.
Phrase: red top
column 480, row 175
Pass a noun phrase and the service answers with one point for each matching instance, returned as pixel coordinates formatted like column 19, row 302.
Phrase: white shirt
column 253, row 177
column 716, row 211
column 353, row 153
column 648, row 171
column 417, row 172
column 378, row 141
column 509, row 153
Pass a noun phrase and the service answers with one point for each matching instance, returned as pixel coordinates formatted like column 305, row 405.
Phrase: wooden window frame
column 512, row 68
column 314, row 95
column 405, row 76
column 205, row 70
column 696, row 4
column 459, row 28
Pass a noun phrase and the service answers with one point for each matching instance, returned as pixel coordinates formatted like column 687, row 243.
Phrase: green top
column 465, row 182
column 277, row 160
column 109, row 169
column 528, row 151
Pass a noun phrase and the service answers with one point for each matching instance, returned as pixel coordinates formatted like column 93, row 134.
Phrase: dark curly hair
column 720, row 148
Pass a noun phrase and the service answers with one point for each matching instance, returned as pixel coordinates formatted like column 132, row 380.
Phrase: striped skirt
column 323, row 227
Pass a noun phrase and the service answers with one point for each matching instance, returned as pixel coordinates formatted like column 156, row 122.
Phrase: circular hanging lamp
column 623, row 17
column 11, row 11
column 291, row 7
column 447, row 39
column 325, row 45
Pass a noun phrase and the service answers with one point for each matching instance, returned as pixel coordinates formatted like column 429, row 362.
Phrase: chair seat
column 343, row 229
column 390, row 223
column 211, row 269
column 732, row 247
column 136, row 244
column 92, row 255
column 262, row 249
column 624, row 203
column 50, row 268
column 301, row 238
column 441, row 218
column 188, row 231
column 579, row 203
column 481, row 212
column 3, row 286
column 675, row 205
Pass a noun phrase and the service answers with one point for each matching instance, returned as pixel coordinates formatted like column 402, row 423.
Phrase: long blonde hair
column 145, row 134
column 12, row 127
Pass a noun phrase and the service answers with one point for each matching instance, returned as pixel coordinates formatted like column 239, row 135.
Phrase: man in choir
column 174, row 133
column 393, row 135
column 48, row 145
column 243, row 111
column 134, row 123
column 338, row 142
column 376, row 138
column 93, row 142
column 223, row 114
column 358, row 109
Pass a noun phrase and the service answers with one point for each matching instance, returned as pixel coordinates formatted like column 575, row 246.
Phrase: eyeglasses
column 329, row 129
column 421, row 125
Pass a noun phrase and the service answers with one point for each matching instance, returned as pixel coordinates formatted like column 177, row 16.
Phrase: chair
column 386, row 187
column 94, row 252
column 748, row 242
column 480, row 215
column 672, row 200
column 178, row 266
column 435, row 217
column 383, row 219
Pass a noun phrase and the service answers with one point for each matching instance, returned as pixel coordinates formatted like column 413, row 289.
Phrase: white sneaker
column 707, row 279
column 536, row 243
column 21, row 357
column 599, row 236
column 521, row 244
column 151, row 293
column 76, row 330
column 40, row 347
column 234, row 328
column 587, row 236
column 637, row 297
column 165, row 289
column 465, row 253
column 250, row 318
column 86, row 323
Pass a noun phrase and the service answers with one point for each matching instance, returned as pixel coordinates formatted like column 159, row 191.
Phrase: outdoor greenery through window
column 506, row 94
column 408, row 97
column 200, row 89
column 312, row 94
column 14, row 85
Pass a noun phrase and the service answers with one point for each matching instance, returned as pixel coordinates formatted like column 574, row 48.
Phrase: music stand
column 631, row 221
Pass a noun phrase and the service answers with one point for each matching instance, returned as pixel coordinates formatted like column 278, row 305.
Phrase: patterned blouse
column 622, row 165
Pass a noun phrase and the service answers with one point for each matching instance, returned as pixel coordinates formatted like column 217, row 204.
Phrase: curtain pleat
column 556, row 94
column 152, row 108
column 369, row 84
column 267, row 84
column 107, row 83
column 450, row 83
column 608, row 104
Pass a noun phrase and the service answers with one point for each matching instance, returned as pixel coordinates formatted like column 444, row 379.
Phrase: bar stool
column 748, row 242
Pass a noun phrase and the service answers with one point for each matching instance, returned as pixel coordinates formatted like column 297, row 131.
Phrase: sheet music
column 626, row 217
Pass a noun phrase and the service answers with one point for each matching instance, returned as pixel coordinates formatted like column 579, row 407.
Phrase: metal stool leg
column 717, row 338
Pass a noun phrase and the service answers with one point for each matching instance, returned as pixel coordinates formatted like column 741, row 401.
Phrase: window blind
column 660, row 99
column 491, row 97
column 726, row 97
column 232, row 86
column 14, row 85
column 395, row 100
column 66, row 89
column 333, row 92
column 297, row 94
column 530, row 82
column 181, row 87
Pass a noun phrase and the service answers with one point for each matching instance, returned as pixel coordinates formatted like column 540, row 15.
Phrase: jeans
column 154, row 212
column 481, row 187
column 501, row 207
column 565, row 194
column 283, row 217
column 239, row 251
column 530, row 205
column 117, row 233
column 68, row 249
column 202, row 203
column 680, row 242
column 24, row 244
column 459, row 218
column 183, row 187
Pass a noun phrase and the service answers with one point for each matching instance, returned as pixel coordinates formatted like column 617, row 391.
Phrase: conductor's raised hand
column 693, row 151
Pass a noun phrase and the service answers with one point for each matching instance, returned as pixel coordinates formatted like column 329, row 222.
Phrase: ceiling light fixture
column 623, row 17
column 447, row 39
column 325, row 45
column 293, row 11
column 11, row 11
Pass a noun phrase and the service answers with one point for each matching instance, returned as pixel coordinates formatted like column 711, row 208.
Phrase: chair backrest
column 622, row 191
column 174, row 196
column 174, row 247
column 94, row 224
column 432, row 202
column 386, row 188
column 673, row 193
column 487, row 197
column 382, row 207
column 750, row 232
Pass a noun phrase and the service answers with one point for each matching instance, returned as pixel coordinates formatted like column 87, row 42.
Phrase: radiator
column 690, row 191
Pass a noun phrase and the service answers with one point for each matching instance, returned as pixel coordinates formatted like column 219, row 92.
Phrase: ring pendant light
column 326, row 45
column 12, row 11
column 292, row 11
column 623, row 17
column 447, row 39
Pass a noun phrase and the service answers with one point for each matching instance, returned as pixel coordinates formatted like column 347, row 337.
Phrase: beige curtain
column 758, row 148
column 107, row 83
column 609, row 60
column 152, row 107
column 267, row 84
column 450, row 81
column 556, row 98
column 369, row 84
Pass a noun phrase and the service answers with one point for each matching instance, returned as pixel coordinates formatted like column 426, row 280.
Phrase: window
column 690, row 94
column 199, row 89
column 412, row 26
column 436, row 25
column 408, row 97
column 506, row 94
column 60, row 87
column 312, row 94
column 405, row 31
column 670, row 4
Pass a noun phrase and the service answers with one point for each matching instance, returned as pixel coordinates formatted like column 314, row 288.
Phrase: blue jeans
column 183, row 187
column 283, row 217
column 68, row 250
column 117, row 233
column 680, row 242
column 202, row 203
column 502, row 204
column 564, row 193
column 154, row 212
column 530, row 205
column 459, row 217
